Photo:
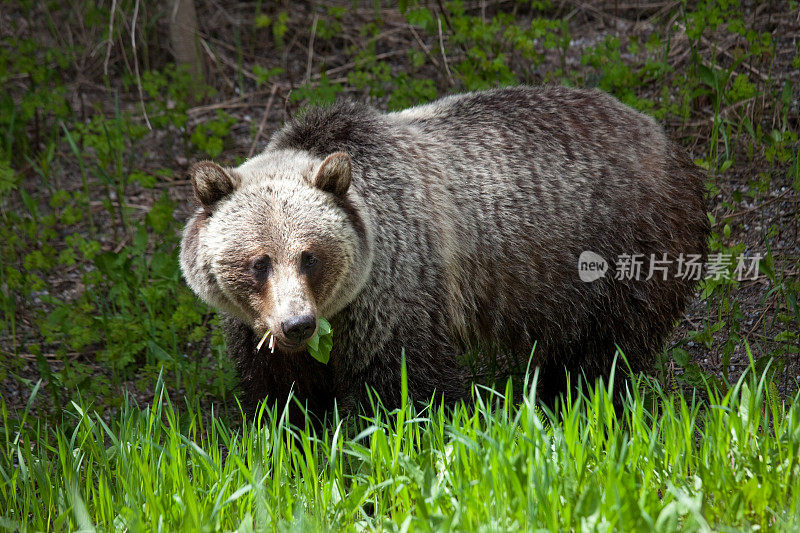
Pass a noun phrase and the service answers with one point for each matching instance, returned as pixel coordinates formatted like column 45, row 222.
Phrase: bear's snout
column 299, row 328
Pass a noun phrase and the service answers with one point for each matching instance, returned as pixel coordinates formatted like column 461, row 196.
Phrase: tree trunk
column 184, row 36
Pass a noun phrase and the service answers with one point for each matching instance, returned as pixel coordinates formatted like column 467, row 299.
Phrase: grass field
column 656, row 463
column 118, row 401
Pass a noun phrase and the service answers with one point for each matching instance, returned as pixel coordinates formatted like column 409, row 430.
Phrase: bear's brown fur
column 447, row 229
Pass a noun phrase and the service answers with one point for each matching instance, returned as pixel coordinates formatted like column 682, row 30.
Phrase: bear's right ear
column 334, row 174
column 211, row 183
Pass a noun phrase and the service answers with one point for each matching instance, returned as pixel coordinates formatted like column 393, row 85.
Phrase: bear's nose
column 299, row 328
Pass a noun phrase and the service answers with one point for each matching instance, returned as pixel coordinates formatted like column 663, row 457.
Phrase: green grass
column 656, row 463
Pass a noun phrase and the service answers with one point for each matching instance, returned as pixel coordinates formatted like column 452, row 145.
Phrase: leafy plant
column 210, row 136
column 319, row 347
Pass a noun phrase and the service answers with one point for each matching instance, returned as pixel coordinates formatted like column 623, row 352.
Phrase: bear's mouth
column 291, row 346
column 270, row 343
column 287, row 346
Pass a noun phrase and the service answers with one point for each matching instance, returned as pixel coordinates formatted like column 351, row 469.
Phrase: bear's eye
column 262, row 264
column 308, row 261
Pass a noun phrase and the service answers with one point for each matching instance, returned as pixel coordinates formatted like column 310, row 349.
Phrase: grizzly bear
column 449, row 234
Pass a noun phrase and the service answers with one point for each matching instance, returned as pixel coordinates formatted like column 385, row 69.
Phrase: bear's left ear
column 334, row 174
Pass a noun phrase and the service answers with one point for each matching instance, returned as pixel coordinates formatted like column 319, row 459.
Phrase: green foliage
column 322, row 93
column 319, row 347
column 331, row 26
column 169, row 92
column 44, row 98
column 8, row 178
column 209, row 136
column 619, row 77
column 651, row 463
column 264, row 75
column 104, row 281
column 133, row 308
column 279, row 25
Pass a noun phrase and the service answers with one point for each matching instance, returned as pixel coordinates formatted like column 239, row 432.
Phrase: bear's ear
column 334, row 174
column 211, row 183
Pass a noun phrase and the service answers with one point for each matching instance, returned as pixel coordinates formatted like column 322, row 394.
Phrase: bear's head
column 277, row 242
